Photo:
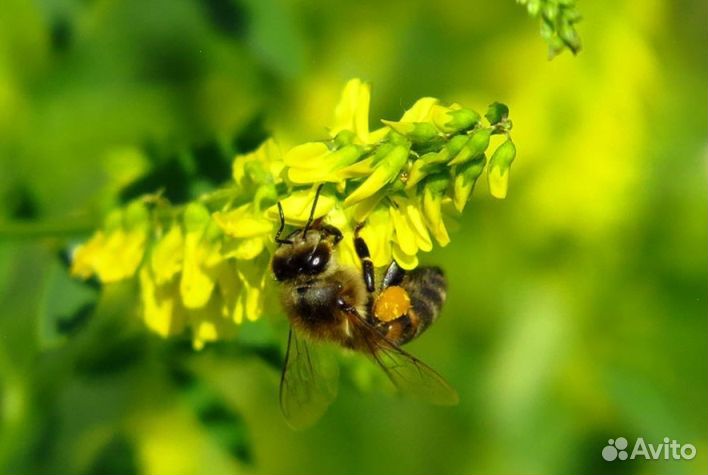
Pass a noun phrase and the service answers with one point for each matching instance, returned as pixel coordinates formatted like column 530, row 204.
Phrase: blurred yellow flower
column 161, row 306
column 167, row 255
column 201, row 256
column 264, row 165
column 115, row 252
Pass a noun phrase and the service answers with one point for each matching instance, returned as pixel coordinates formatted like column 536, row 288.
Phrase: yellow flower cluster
column 204, row 266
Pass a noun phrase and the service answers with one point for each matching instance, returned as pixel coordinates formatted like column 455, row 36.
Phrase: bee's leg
column 362, row 250
column 393, row 276
column 332, row 231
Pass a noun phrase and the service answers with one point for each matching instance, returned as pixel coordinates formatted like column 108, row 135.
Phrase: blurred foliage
column 557, row 19
column 577, row 307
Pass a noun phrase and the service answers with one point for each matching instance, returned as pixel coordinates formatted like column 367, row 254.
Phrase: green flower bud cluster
column 558, row 19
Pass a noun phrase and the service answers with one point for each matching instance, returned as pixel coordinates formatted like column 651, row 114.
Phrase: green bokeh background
column 577, row 306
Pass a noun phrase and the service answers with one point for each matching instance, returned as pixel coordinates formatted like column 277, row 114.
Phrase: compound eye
column 319, row 259
column 282, row 268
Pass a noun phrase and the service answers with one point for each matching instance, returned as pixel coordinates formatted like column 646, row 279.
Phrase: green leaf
column 66, row 305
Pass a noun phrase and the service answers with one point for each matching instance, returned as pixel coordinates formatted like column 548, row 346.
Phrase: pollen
column 392, row 303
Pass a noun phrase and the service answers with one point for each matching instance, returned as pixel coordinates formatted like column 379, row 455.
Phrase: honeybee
column 329, row 302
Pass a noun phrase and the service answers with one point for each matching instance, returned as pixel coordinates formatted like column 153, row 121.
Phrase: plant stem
column 19, row 230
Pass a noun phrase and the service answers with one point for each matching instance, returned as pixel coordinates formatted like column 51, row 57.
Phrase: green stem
column 18, row 230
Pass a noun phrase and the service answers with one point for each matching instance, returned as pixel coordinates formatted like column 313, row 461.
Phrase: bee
column 326, row 301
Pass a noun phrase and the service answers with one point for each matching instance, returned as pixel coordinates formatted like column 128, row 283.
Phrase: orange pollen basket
column 392, row 303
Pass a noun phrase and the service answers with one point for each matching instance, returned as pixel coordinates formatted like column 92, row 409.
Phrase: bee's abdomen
column 427, row 289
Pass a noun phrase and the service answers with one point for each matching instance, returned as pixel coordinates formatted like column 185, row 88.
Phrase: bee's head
column 304, row 253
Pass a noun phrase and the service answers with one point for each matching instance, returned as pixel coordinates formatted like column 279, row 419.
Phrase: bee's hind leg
column 393, row 276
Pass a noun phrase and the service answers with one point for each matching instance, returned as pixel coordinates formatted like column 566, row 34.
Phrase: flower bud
column 498, row 169
column 424, row 166
column 316, row 164
column 433, row 191
column 475, row 146
column 465, row 179
column 387, row 169
column 416, row 132
column 454, row 119
column 496, row 113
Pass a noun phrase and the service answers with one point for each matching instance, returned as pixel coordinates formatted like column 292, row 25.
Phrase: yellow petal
column 405, row 237
column 405, row 260
column 376, row 136
column 326, row 168
column 377, row 233
column 115, row 253
column 160, row 305
column 421, row 111
column 166, row 257
column 243, row 249
column 201, row 257
column 359, row 169
column 433, row 214
column 352, row 112
column 298, row 205
column 197, row 283
column 386, row 171
column 346, row 255
column 498, row 179
column 208, row 325
column 243, row 222
column 85, row 255
column 252, row 276
column 267, row 154
column 309, row 155
column 230, row 289
column 415, row 218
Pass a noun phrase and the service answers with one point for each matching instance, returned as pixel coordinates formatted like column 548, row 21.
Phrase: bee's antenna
column 312, row 211
column 282, row 226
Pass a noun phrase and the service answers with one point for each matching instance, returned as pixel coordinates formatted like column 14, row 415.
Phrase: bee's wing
column 308, row 384
column 409, row 374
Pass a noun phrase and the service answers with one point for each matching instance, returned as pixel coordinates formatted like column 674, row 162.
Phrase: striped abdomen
column 426, row 289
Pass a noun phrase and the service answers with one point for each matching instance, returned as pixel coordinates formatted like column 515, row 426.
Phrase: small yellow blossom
column 166, row 257
column 421, row 111
column 499, row 166
column 315, row 163
column 201, row 256
column 378, row 234
column 389, row 162
column 115, row 252
column 208, row 324
column 298, row 205
column 264, row 165
column 243, row 222
column 352, row 112
column 161, row 307
column 433, row 193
